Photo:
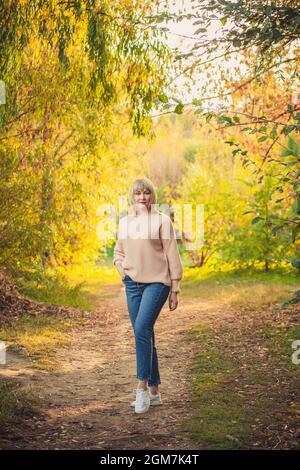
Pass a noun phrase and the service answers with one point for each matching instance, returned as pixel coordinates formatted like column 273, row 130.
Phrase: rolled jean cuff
column 151, row 384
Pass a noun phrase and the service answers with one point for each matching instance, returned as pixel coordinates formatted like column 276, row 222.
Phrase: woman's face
column 142, row 198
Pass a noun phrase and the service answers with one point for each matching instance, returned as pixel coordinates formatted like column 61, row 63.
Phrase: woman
column 147, row 258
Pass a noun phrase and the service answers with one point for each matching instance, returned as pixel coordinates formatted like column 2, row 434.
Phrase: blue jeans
column 145, row 301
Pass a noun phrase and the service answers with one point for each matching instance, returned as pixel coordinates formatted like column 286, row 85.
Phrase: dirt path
column 87, row 401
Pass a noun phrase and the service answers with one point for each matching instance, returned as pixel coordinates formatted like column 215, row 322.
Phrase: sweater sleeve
column 119, row 253
column 170, row 247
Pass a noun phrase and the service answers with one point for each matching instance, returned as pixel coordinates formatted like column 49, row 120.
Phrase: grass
column 237, row 288
column 279, row 341
column 38, row 338
column 74, row 286
column 53, row 288
column 227, row 413
column 219, row 420
column 16, row 402
column 101, row 282
column 82, row 285
column 243, row 386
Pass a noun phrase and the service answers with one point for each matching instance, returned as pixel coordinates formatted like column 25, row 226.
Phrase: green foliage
column 75, row 79
column 295, row 299
column 120, row 51
column 271, row 27
column 246, row 224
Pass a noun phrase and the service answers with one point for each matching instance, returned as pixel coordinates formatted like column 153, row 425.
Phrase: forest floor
column 227, row 382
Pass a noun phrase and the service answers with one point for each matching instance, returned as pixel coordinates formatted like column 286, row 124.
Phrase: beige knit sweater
column 146, row 248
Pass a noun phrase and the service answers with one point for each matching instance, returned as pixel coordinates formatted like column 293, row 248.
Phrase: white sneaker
column 142, row 401
column 154, row 399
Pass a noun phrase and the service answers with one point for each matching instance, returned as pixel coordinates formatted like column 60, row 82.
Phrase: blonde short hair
column 142, row 183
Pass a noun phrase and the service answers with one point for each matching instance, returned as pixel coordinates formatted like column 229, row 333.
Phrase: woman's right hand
column 173, row 301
